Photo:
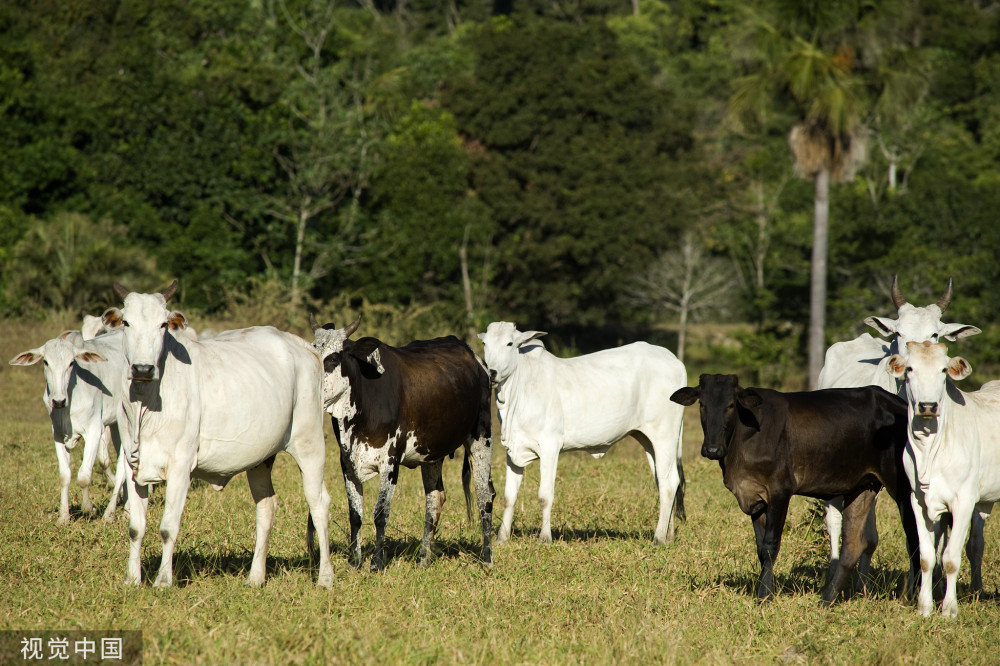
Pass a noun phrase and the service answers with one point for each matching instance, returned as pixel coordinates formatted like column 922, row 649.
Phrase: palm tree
column 809, row 74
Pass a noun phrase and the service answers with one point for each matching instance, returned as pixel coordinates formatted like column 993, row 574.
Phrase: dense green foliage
column 354, row 149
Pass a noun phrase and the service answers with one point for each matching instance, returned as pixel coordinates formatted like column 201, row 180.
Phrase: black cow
column 410, row 406
column 820, row 444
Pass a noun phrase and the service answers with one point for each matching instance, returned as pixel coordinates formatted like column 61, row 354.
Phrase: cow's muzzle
column 927, row 410
column 713, row 452
column 142, row 372
column 59, row 404
column 493, row 377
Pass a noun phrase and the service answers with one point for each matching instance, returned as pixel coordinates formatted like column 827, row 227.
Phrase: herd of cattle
column 176, row 407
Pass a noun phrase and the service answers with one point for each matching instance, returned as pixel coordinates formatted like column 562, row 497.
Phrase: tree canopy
column 359, row 149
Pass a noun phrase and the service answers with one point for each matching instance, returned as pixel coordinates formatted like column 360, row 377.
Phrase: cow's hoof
column 325, row 580
column 377, row 567
column 254, row 581
column 544, row 538
column 63, row 520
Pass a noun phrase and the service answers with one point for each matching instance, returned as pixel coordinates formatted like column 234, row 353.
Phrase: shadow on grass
column 810, row 579
column 571, row 535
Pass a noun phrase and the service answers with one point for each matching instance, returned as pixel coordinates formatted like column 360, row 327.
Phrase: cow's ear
column 527, row 336
column 954, row 332
column 366, row 351
column 481, row 336
column 959, row 368
column 749, row 399
column 686, row 396
column 66, row 334
column 883, row 325
column 88, row 356
column 112, row 318
column 176, row 320
column 27, row 358
column 896, row 366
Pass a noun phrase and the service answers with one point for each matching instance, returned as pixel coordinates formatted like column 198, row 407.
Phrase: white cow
column 92, row 327
column 82, row 381
column 548, row 405
column 211, row 410
column 862, row 362
column 952, row 460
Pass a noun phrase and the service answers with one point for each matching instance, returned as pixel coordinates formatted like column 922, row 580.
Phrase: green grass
column 601, row 593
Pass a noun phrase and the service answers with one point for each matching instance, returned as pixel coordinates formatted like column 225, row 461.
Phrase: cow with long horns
column 862, row 362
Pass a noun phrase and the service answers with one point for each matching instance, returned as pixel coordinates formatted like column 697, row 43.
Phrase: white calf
column 952, row 460
column 548, row 405
column 82, row 397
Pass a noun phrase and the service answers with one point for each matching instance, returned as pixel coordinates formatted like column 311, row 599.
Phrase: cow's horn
column 897, row 295
column 120, row 290
column 170, row 290
column 350, row 328
column 945, row 299
column 313, row 324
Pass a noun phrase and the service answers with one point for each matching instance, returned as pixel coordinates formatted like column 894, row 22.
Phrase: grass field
column 600, row 593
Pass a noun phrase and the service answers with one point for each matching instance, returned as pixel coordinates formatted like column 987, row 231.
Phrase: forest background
column 606, row 170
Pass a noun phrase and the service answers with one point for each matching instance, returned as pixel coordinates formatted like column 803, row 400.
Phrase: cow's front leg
column 976, row 544
column 926, row 534
column 137, row 498
column 512, row 484
column 174, row 497
column 387, row 487
column 65, row 474
column 434, row 496
column 768, row 523
column 355, row 510
column 548, row 462
column 854, row 544
column 961, row 519
column 262, row 491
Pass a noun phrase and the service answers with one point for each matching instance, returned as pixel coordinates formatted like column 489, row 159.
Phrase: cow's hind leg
column 434, row 495
column 387, row 487
column 262, row 491
column 512, row 484
column 481, row 452
column 853, row 544
column 109, row 512
column 93, row 442
column 548, row 462
column 174, row 497
column 665, row 466
column 976, row 544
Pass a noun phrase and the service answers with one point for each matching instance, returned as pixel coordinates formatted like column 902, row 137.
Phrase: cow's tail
column 467, row 484
column 679, row 497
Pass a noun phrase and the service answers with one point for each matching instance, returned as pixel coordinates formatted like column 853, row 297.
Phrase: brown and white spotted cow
column 411, row 406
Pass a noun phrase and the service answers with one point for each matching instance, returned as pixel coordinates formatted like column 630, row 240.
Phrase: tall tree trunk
column 817, row 296
column 300, row 237
column 470, row 314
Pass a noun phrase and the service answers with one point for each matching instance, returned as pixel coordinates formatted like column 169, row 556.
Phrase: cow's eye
column 125, row 323
column 510, row 344
column 163, row 325
column 45, row 363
